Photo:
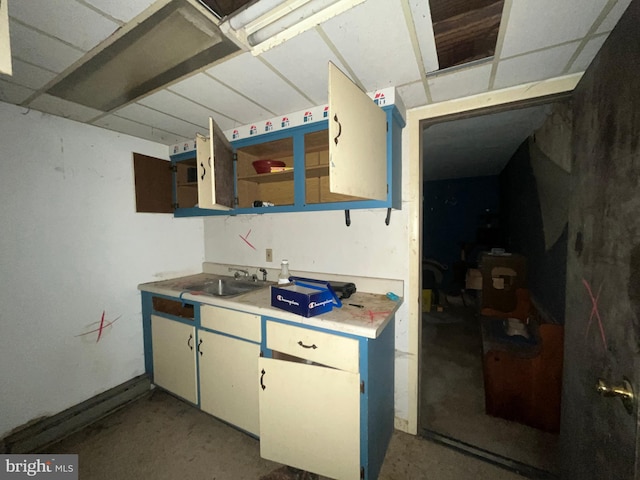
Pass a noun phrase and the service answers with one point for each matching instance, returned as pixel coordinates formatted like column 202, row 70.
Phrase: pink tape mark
column 100, row 328
column 594, row 311
column 245, row 239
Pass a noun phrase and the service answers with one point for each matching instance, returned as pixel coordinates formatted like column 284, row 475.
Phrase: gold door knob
column 624, row 391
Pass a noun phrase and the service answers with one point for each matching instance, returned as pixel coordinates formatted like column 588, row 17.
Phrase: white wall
column 321, row 242
column 72, row 247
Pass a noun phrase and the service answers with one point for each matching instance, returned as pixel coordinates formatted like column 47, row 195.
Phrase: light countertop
column 369, row 321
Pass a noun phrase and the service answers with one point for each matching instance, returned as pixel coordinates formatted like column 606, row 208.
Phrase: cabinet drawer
column 232, row 322
column 319, row 347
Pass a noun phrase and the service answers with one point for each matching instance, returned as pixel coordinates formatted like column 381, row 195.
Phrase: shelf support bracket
column 347, row 217
column 388, row 219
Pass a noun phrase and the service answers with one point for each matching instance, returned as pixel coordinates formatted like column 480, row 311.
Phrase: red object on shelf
column 264, row 166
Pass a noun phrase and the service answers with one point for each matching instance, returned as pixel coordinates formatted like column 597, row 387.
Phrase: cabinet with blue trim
column 319, row 399
column 206, row 355
column 349, row 159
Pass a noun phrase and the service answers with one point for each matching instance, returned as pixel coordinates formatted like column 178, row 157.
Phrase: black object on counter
column 344, row 289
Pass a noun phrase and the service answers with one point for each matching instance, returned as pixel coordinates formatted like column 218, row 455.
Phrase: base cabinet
column 228, row 372
column 310, row 417
column 174, row 357
column 318, row 400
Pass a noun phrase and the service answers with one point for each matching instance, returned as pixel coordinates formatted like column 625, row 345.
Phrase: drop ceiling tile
column 129, row 127
column 613, row 16
column 412, row 94
column 28, row 75
column 63, row 108
column 41, row 50
column 543, row 23
column 147, row 116
column 256, row 81
column 424, row 31
column 588, row 53
column 12, row 93
column 211, row 94
column 123, row 10
column 374, row 40
column 173, row 104
column 460, row 82
column 308, row 72
column 534, row 66
column 78, row 24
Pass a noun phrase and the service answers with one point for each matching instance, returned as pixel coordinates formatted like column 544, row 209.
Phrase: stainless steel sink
column 227, row 286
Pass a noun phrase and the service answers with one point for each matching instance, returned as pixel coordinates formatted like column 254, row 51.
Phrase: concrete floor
column 453, row 393
column 160, row 437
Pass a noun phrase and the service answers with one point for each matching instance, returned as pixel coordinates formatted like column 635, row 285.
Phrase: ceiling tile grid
column 136, row 129
column 614, row 15
column 13, row 93
column 373, row 39
column 587, row 54
column 248, row 74
column 63, row 108
column 380, row 43
column 173, row 104
column 148, row 116
column 460, row 82
column 544, row 23
column 28, row 75
column 211, row 94
column 413, row 94
column 534, row 66
column 123, row 10
column 421, row 15
column 308, row 70
column 38, row 14
column 41, row 50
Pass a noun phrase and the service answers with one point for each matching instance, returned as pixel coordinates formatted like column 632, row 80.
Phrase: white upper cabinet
column 357, row 140
column 215, row 170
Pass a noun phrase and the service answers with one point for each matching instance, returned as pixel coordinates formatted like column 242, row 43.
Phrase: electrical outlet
column 269, row 255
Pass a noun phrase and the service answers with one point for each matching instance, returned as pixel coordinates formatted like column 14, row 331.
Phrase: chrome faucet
column 237, row 271
column 264, row 274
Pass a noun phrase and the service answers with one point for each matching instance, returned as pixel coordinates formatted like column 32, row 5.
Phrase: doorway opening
column 495, row 209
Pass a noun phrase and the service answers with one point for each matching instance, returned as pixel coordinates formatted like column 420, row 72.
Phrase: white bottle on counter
column 283, row 276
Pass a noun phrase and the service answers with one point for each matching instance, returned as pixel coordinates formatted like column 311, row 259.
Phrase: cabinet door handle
column 198, row 349
column 190, row 342
column 261, row 378
column 335, row 119
column 204, row 171
column 314, row 346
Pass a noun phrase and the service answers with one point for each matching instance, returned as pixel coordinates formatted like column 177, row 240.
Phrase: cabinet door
column 310, row 417
column 215, row 170
column 174, row 358
column 228, row 379
column 357, row 140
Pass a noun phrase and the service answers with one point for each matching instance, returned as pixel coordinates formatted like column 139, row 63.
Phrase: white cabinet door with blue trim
column 214, row 157
column 228, row 372
column 174, row 357
column 357, row 139
column 310, row 417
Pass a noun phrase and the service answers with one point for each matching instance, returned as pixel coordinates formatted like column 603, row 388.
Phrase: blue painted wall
column 453, row 211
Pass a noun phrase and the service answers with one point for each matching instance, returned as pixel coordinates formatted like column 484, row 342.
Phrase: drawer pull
column 199, row 351
column 261, row 377
column 190, row 342
column 335, row 119
column 307, row 346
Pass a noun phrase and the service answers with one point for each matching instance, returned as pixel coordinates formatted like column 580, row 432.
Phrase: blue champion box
column 305, row 296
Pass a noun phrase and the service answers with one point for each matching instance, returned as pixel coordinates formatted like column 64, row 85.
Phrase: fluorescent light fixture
column 173, row 41
column 268, row 23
